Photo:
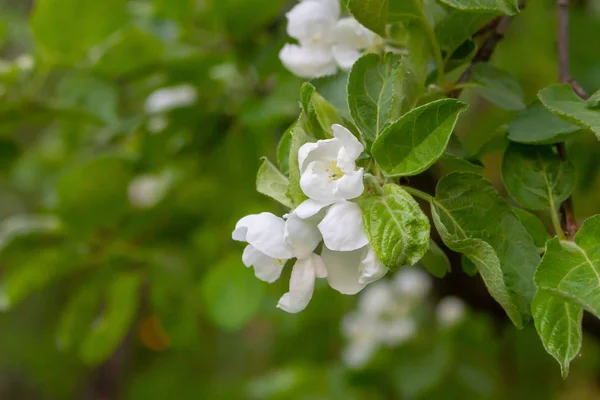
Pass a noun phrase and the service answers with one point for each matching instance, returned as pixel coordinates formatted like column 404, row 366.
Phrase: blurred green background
column 118, row 276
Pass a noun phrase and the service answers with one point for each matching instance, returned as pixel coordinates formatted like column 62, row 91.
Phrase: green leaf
column 94, row 194
column 413, row 143
column 498, row 87
column 378, row 93
column 283, row 150
column 78, row 315
column 572, row 269
column 83, row 24
column 449, row 163
column 299, row 137
column 373, row 14
column 232, row 294
column 319, row 115
column 558, row 322
column 594, row 101
column 396, row 227
column 474, row 219
column 468, row 266
column 272, row 183
column 122, row 300
column 534, row 227
column 562, row 101
column 33, row 271
column 333, row 89
column 536, row 177
column 536, row 125
column 508, row 7
column 436, row 261
column 458, row 26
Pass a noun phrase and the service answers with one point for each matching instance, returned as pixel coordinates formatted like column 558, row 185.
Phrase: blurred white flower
column 361, row 332
column 25, row 62
column 157, row 123
column 169, row 98
column 325, row 41
column 450, row 311
column 412, row 283
column 145, row 191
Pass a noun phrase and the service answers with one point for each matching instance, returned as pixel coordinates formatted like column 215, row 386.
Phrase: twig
column 485, row 51
column 569, row 223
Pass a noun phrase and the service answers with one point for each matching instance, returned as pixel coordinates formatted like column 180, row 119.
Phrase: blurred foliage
column 85, row 269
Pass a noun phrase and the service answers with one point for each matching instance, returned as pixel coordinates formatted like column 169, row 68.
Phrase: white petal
column 450, row 311
column 320, row 267
column 266, row 268
column 343, row 270
column 309, row 208
column 342, row 228
column 302, row 285
column 317, row 185
column 265, row 232
column 345, row 56
column 334, row 6
column 301, row 235
column 312, row 21
column 350, row 186
column 308, row 62
column 398, row 331
column 378, row 298
column 169, row 98
column 351, row 144
column 371, row 268
column 325, row 151
column 412, row 283
column 349, row 32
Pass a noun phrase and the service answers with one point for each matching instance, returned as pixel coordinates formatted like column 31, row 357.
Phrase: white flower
column 342, row 228
column 145, row 191
column 313, row 21
column 350, row 38
column 349, row 272
column 412, row 283
column 302, row 283
column 267, row 250
column 169, row 98
column 328, row 170
column 450, row 311
column 307, row 61
column 361, row 331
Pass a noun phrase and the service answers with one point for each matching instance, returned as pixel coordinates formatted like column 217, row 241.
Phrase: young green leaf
column 122, row 299
column 594, row 101
column 436, row 261
column 271, row 182
column 413, row 143
column 396, row 227
column 283, row 150
column 467, row 206
column 572, row 269
column 558, row 322
column 534, row 227
column 562, row 101
column 508, row 7
column 379, row 92
column 371, row 13
column 299, row 137
column 498, row 87
column 536, row 125
column 318, row 114
column 536, row 177
column 458, row 26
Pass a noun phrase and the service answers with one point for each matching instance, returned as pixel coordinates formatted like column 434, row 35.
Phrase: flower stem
column 556, row 221
column 418, row 193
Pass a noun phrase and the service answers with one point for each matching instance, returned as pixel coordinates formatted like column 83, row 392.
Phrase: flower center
column 279, row 261
column 334, row 171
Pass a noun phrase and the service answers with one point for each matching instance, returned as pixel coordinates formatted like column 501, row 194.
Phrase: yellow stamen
column 334, row 171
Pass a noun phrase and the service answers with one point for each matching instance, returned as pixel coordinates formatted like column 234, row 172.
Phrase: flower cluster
column 325, row 40
column 330, row 179
column 387, row 315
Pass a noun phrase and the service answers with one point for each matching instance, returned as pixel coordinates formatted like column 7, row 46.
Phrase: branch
column 500, row 26
column 569, row 223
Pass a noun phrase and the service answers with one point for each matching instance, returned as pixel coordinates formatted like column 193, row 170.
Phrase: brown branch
column 485, row 52
column 569, row 223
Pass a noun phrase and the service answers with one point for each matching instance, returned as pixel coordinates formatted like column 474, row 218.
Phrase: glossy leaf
column 536, row 177
column 474, row 219
column 508, row 7
column 562, row 101
column 271, row 182
column 558, row 322
column 571, row 269
column 396, row 227
column 498, row 87
column 536, row 125
column 413, row 143
column 378, row 93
